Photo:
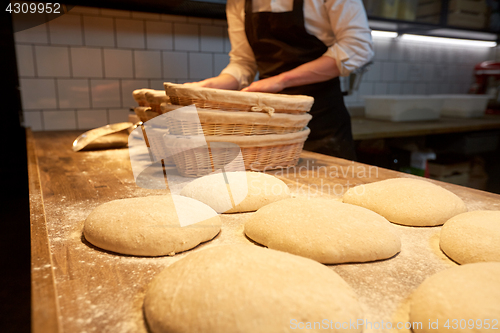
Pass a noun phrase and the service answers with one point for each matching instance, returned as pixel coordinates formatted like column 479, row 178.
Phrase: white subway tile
column 118, row 63
column 402, row 69
column 440, row 73
column 394, row 88
column 115, row 13
column 84, row 10
column 25, row 60
column 147, row 64
column 73, row 94
column 38, row 94
column 428, row 72
column 382, row 49
column 432, row 88
column 457, row 88
column 86, row 62
column 186, row 37
column 88, row 119
column 99, row 31
column 146, row 16
column 388, row 71
column 220, row 62
column 199, row 20
column 366, row 89
column 173, row 18
column 212, row 38
column 118, row 115
column 380, row 88
column 66, row 30
column 396, row 51
column 159, row 35
column 158, row 84
column 200, row 65
column 408, row 88
column 127, row 86
column 375, row 72
column 175, row 65
column 35, row 35
column 105, row 93
column 130, row 33
column 59, row 120
column 415, row 72
column 52, row 61
column 420, row 88
column 33, row 120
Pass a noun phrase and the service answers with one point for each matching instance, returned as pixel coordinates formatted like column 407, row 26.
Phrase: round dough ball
column 472, row 237
column 324, row 230
column 247, row 289
column 150, row 226
column 464, row 292
column 249, row 191
column 407, row 201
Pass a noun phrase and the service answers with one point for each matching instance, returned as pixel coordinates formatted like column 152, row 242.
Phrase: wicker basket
column 230, row 100
column 156, row 142
column 216, row 122
column 193, row 158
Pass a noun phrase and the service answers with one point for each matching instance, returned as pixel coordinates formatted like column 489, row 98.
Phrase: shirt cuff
column 235, row 71
column 341, row 57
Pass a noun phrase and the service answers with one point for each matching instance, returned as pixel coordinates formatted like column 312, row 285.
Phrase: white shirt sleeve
column 353, row 46
column 242, row 65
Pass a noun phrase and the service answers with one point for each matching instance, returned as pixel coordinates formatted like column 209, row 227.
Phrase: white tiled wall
column 78, row 71
column 407, row 67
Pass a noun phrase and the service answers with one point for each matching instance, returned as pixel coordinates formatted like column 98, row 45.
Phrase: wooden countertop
column 364, row 128
column 77, row 287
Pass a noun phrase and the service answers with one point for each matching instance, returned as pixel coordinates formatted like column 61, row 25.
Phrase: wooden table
column 77, row 287
column 364, row 128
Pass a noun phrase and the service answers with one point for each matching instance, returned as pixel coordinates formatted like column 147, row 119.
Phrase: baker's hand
column 223, row 81
column 271, row 85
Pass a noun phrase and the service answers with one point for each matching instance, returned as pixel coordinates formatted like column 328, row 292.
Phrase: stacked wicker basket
column 268, row 129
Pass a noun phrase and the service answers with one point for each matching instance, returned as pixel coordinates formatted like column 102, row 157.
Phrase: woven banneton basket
column 216, row 122
column 156, row 143
column 230, row 100
column 155, row 98
column 260, row 152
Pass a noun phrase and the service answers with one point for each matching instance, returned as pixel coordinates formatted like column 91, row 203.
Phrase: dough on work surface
column 460, row 293
column 472, row 237
column 247, row 289
column 150, row 226
column 249, row 190
column 407, row 201
column 325, row 230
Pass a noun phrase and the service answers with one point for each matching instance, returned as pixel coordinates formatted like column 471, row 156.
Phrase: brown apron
column 281, row 43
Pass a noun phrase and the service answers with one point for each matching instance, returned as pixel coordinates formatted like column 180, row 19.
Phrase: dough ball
column 464, row 292
column 151, row 226
column 324, row 230
column 472, row 237
column 407, row 201
column 247, row 289
column 249, row 191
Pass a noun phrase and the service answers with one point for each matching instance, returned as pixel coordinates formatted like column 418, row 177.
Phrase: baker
column 299, row 47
